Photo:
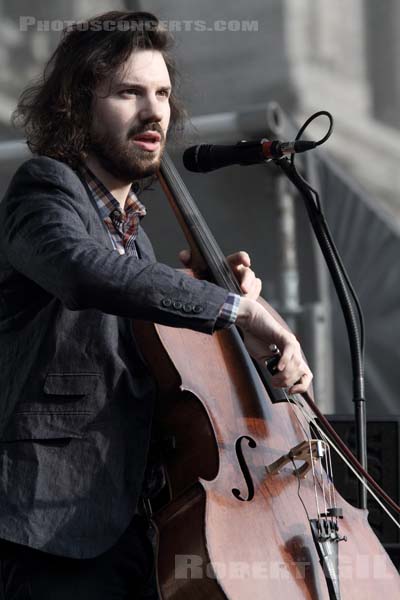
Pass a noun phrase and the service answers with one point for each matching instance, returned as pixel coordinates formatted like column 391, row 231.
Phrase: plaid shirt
column 123, row 226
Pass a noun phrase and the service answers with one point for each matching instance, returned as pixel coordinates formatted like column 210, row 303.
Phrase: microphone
column 206, row 157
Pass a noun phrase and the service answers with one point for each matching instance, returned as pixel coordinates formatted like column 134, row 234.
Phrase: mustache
column 154, row 126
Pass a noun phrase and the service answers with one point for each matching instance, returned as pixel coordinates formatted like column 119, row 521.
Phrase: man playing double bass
column 76, row 267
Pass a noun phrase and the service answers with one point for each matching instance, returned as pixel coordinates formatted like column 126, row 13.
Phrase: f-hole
column 244, row 468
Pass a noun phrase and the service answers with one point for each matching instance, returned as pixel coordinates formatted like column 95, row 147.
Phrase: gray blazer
column 76, row 397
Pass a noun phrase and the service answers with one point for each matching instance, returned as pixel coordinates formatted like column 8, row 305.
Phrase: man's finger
column 246, row 279
column 290, row 350
column 185, row 257
column 239, row 258
column 301, row 385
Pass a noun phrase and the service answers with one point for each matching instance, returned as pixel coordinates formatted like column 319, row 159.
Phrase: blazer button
column 166, row 302
column 198, row 308
column 177, row 304
column 187, row 308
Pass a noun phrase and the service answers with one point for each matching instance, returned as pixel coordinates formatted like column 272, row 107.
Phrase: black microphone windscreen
column 190, row 159
column 208, row 157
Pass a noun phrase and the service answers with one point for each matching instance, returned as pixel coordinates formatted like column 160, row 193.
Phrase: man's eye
column 164, row 93
column 130, row 92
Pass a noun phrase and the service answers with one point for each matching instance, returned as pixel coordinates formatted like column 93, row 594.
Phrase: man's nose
column 151, row 109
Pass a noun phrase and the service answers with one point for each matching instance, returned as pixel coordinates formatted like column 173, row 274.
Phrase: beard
column 122, row 158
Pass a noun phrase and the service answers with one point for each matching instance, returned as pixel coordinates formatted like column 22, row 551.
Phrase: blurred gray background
column 306, row 56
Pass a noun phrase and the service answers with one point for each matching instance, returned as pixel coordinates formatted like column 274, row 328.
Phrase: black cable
column 320, row 113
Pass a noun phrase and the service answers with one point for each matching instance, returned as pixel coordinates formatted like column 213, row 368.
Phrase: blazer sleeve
column 44, row 236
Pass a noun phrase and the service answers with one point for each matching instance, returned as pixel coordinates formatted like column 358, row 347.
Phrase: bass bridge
column 325, row 528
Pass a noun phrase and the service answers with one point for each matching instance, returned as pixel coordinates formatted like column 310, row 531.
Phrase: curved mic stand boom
column 339, row 278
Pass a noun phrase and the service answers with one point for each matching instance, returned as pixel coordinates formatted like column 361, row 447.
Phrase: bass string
column 332, row 490
column 325, row 482
column 199, row 228
column 312, row 420
column 320, row 482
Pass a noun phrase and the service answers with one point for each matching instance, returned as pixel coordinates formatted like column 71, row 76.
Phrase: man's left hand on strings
column 240, row 264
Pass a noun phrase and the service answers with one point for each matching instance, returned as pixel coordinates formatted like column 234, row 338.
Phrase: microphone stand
column 333, row 262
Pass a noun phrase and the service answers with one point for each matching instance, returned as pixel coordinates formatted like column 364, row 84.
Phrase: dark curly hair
column 55, row 112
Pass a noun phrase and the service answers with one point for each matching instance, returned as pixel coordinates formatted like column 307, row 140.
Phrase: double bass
column 250, row 511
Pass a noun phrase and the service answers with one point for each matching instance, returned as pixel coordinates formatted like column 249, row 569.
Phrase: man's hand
column 261, row 330
column 240, row 262
column 249, row 284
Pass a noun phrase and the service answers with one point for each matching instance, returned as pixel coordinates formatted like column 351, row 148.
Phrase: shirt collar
column 106, row 201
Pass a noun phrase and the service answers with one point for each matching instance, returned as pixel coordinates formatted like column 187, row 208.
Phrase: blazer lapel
column 97, row 221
